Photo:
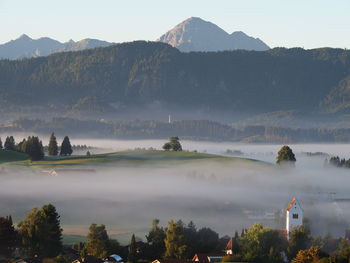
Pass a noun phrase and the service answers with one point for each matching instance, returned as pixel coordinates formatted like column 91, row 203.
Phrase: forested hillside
column 141, row 73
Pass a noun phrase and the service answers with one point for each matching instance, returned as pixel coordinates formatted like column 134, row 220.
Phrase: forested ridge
column 186, row 129
column 141, row 73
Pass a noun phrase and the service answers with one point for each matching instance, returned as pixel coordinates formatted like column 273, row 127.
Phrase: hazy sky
column 303, row 23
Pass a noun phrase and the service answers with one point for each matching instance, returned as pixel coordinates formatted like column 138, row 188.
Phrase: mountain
column 153, row 75
column 26, row 47
column 195, row 34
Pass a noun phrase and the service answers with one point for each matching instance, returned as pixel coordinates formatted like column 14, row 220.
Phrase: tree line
column 189, row 129
column 149, row 71
column 34, row 148
column 40, row 234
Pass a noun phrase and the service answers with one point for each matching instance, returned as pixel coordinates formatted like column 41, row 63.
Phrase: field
column 11, row 156
column 130, row 156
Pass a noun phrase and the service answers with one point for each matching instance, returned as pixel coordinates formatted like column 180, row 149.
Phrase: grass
column 130, row 156
column 134, row 156
column 11, row 156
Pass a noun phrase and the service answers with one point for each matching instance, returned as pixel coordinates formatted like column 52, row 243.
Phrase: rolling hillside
column 149, row 75
column 131, row 156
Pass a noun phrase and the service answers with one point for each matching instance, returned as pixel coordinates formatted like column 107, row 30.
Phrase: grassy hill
column 136, row 156
column 130, row 157
column 11, row 156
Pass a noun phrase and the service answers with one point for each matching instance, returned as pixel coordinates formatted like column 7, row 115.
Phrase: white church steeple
column 294, row 215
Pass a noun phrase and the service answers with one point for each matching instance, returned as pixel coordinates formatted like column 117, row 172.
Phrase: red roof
column 170, row 261
column 291, row 203
column 230, row 242
column 203, row 258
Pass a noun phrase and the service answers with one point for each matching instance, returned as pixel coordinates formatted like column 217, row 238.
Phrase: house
column 207, row 258
column 88, row 259
column 294, row 216
column 232, row 246
column 113, row 258
column 170, row 261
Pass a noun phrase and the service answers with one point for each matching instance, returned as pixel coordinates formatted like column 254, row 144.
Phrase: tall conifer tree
column 66, row 147
column 10, row 143
column 53, row 148
column 132, row 256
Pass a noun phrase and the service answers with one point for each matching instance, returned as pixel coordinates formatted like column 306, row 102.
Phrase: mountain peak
column 196, row 34
column 24, row 37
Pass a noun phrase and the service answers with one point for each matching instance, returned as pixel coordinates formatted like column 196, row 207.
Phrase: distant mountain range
column 26, row 47
column 195, row 34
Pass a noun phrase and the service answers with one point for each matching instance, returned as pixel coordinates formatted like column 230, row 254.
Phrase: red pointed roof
column 291, row 203
column 229, row 245
column 204, row 258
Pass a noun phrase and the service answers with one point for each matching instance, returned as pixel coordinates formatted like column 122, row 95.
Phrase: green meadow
column 130, row 156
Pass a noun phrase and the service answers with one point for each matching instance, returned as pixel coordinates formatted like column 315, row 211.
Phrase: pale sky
column 292, row 23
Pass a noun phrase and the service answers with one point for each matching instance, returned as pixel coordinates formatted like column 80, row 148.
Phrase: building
column 294, row 216
column 232, row 246
column 207, row 258
column 170, row 261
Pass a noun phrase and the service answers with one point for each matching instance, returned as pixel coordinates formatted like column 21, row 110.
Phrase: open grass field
column 128, row 157
column 11, row 156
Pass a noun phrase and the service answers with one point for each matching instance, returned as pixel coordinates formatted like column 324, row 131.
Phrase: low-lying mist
column 225, row 196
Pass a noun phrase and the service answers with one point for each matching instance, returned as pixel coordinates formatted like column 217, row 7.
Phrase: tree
column 66, row 147
column 10, row 144
column 8, row 236
column 132, row 256
column 97, row 241
column 311, row 255
column 173, row 144
column 299, row 240
column 54, row 230
column 167, row 146
column 53, row 148
column 21, row 146
column 342, row 253
column 207, row 240
column 261, row 244
column 175, row 240
column 191, row 239
column 286, row 156
column 155, row 239
column 41, row 232
column 34, row 148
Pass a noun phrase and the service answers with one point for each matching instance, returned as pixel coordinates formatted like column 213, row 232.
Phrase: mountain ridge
column 27, row 47
column 154, row 75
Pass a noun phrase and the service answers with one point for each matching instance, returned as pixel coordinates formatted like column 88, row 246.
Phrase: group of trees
column 173, row 144
column 31, row 146
column 148, row 71
column 337, row 162
column 66, row 147
column 38, row 234
column 34, row 148
column 177, row 241
column 194, row 129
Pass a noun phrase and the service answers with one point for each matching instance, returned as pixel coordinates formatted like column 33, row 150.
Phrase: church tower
column 294, row 216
